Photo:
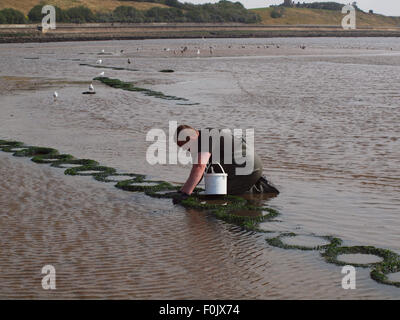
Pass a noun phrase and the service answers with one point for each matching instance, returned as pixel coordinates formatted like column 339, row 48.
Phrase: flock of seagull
column 182, row 51
column 91, row 87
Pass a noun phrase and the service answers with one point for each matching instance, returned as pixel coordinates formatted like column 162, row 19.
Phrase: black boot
column 263, row 186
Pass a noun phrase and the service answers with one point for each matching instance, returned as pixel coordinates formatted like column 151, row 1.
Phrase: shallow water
column 326, row 123
column 304, row 241
column 359, row 258
column 119, row 178
column 69, row 165
column 394, row 277
column 90, row 172
column 144, row 184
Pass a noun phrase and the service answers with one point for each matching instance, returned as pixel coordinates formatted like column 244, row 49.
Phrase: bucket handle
column 208, row 167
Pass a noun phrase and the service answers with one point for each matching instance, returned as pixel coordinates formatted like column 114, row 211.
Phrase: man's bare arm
column 196, row 173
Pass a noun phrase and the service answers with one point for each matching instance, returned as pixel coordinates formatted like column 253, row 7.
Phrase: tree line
column 322, row 5
column 223, row 11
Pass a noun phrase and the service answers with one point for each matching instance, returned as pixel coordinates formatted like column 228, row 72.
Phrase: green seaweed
column 118, row 84
column 107, row 67
column 82, row 162
column 104, row 176
column 246, row 222
column 169, row 195
column 11, row 149
column 77, row 171
column 226, row 211
column 331, row 254
column 196, row 202
column 277, row 242
column 128, row 185
column 31, row 151
column 4, row 144
column 381, row 270
column 188, row 104
column 48, row 158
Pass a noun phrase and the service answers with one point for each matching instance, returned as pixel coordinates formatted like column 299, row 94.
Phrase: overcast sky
column 387, row 7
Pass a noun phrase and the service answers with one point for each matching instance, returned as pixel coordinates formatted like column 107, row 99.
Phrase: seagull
column 99, row 61
column 198, row 51
column 101, row 74
column 55, row 95
column 102, row 51
column 91, row 88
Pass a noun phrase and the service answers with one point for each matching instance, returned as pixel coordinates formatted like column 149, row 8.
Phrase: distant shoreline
column 108, row 31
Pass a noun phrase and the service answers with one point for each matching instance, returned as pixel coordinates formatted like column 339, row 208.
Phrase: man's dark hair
column 180, row 129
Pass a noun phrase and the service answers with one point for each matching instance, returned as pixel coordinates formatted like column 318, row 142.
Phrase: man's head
column 184, row 133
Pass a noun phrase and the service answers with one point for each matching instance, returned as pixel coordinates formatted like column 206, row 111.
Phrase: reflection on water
column 326, row 123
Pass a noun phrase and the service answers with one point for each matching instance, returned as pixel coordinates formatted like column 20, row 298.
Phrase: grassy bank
column 306, row 16
column 95, row 5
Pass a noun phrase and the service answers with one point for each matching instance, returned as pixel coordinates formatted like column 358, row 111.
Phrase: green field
column 304, row 16
column 95, row 5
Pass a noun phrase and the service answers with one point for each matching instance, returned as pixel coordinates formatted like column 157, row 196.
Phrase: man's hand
column 196, row 174
column 180, row 197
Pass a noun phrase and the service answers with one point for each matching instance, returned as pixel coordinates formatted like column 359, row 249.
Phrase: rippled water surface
column 327, row 129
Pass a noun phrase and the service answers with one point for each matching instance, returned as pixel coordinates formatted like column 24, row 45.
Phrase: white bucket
column 216, row 183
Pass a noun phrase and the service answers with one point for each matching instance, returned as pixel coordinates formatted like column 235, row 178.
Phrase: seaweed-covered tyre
column 14, row 150
column 6, row 145
column 382, row 270
column 277, row 242
column 78, row 162
column 135, row 185
column 249, row 223
column 166, row 193
column 35, row 151
column 52, row 158
column 332, row 253
column 231, row 202
column 110, row 177
column 88, row 170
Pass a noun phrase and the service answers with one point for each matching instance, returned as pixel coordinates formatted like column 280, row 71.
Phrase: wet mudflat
column 326, row 123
